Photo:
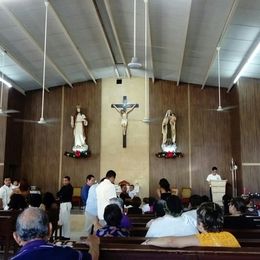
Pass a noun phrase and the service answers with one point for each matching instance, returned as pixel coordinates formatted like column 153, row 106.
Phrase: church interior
column 161, row 55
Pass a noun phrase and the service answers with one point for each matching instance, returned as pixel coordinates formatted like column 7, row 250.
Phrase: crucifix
column 124, row 109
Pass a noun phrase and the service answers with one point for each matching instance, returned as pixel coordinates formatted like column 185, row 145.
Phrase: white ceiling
column 93, row 39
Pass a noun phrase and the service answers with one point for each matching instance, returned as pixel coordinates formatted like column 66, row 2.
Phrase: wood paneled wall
column 43, row 162
column 207, row 143
column 88, row 95
column 249, row 107
column 166, row 95
column 14, row 133
column 205, row 137
column 41, row 143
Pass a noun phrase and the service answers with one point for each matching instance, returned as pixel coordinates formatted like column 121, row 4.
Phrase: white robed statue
column 78, row 122
column 169, row 132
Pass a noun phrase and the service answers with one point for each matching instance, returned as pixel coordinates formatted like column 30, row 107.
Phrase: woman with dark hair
column 237, row 218
column 17, row 202
column 172, row 223
column 23, row 189
column 210, row 224
column 51, row 207
column 237, row 206
column 112, row 216
column 135, row 209
column 164, row 190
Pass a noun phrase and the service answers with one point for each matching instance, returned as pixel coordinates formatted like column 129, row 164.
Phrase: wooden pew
column 131, row 249
column 133, row 252
column 138, row 231
column 246, row 237
column 140, row 220
column 7, row 227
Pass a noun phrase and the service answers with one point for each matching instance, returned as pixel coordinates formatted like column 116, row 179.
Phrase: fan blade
column 228, row 108
column 41, row 122
column 25, row 120
column 9, row 111
column 221, row 109
column 52, row 120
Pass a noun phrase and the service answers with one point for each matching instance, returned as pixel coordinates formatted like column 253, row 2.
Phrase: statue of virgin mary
column 78, row 123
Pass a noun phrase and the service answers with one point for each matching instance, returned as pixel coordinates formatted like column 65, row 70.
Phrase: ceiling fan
column 4, row 82
column 134, row 64
column 42, row 121
column 220, row 107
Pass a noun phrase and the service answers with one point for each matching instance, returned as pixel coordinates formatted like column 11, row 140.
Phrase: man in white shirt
column 173, row 223
column 191, row 213
column 105, row 191
column 5, row 193
column 213, row 176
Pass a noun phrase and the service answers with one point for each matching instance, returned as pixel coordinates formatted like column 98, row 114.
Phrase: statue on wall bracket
column 169, row 132
column 79, row 122
column 169, row 146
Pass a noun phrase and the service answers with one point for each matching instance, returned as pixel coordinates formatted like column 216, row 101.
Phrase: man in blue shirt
column 32, row 232
column 90, row 180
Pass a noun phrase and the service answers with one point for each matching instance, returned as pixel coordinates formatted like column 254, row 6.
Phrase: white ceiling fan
column 42, row 121
column 134, row 64
column 4, row 82
column 220, row 108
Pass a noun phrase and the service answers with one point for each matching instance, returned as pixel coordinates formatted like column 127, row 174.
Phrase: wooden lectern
column 218, row 189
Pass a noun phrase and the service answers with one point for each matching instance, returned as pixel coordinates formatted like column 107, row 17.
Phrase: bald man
column 32, row 233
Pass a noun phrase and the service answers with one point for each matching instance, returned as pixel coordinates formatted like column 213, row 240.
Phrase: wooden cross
column 124, row 109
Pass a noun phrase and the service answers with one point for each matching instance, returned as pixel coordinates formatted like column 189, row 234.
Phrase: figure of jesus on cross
column 124, row 109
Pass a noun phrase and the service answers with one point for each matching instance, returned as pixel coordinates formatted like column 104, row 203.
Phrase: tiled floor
column 77, row 222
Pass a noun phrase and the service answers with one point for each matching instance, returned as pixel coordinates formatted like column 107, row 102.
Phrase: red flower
column 169, row 155
column 77, row 153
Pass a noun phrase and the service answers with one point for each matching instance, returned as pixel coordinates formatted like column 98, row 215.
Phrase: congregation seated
column 173, row 223
column 251, row 210
column 135, row 209
column 125, row 221
column 164, row 190
column 32, row 232
column 204, row 198
column 148, row 205
column 34, row 200
column 113, row 217
column 191, row 213
column 17, row 202
column 158, row 211
column 124, row 195
column 237, row 206
column 210, row 220
column 226, row 200
column 237, row 218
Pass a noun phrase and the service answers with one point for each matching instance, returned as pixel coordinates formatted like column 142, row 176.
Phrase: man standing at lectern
column 213, row 176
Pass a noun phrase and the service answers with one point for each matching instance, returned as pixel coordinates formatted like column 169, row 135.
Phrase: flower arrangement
column 168, row 155
column 78, row 154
